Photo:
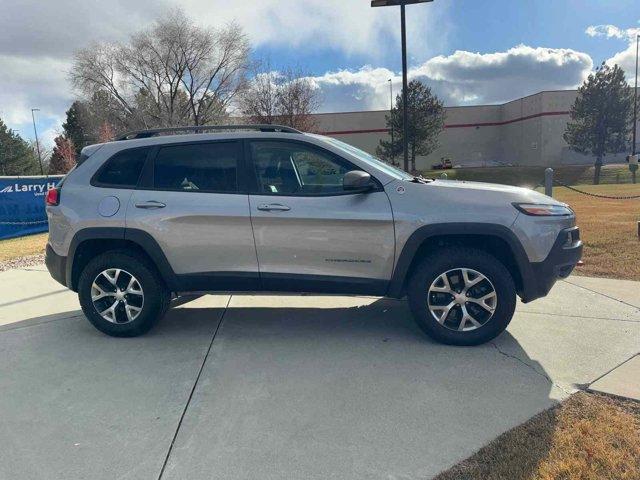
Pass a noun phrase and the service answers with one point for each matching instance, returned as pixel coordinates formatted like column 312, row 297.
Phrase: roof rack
column 203, row 128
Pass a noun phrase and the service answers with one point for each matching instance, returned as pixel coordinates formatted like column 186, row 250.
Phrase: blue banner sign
column 22, row 208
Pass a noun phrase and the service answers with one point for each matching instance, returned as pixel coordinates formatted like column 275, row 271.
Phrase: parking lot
column 284, row 386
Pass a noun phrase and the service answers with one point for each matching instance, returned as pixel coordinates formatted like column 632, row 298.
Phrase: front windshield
column 367, row 157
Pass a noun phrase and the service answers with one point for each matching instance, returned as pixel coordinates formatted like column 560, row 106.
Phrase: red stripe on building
column 506, row 122
column 456, row 125
column 351, row 132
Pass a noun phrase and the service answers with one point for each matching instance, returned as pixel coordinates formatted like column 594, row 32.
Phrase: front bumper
column 56, row 264
column 562, row 259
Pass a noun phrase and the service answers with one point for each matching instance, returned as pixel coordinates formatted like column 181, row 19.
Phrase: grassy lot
column 609, row 230
column 588, row 437
column 22, row 246
column 532, row 176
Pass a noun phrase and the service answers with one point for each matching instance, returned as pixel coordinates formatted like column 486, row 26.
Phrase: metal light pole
column 393, row 157
column 35, row 131
column 635, row 100
column 403, row 30
column 405, row 90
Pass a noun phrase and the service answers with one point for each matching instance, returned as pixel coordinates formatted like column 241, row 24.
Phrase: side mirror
column 357, row 180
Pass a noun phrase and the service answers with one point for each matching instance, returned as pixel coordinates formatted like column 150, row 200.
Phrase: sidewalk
column 278, row 387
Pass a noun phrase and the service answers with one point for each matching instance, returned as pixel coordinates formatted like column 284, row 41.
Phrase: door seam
column 255, row 245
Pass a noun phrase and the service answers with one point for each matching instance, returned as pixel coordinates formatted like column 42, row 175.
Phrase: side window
column 123, row 169
column 206, row 167
column 295, row 169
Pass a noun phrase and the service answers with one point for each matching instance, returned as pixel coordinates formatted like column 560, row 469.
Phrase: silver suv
column 161, row 213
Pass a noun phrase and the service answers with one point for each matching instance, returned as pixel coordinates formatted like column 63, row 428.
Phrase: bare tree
column 106, row 133
column 297, row 100
column 175, row 73
column 287, row 98
column 259, row 101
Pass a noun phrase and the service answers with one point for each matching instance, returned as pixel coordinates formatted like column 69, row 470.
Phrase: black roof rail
column 203, row 128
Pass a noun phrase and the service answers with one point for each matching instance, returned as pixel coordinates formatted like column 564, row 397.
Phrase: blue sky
column 469, row 51
column 483, row 26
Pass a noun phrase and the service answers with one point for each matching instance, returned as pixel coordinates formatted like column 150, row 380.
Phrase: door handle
column 273, row 207
column 149, row 205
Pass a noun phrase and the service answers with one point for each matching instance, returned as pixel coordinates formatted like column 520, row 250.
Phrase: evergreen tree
column 426, row 121
column 16, row 155
column 75, row 128
column 601, row 116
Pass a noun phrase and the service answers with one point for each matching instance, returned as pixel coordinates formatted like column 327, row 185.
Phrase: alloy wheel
column 117, row 296
column 462, row 299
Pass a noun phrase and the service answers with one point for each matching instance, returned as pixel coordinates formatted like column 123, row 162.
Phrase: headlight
column 541, row 210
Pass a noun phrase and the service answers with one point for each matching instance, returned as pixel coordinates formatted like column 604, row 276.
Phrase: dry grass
column 588, row 437
column 530, row 176
column 22, row 246
column 609, row 230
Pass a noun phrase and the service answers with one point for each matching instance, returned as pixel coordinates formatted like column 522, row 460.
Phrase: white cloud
column 625, row 59
column 58, row 27
column 462, row 77
column 33, row 82
column 363, row 89
column 350, row 26
column 502, row 76
column 38, row 38
column 611, row 31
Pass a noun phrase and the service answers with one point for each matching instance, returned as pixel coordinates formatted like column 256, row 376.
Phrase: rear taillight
column 53, row 197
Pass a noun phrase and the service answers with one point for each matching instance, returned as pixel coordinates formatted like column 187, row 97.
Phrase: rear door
column 310, row 233
column 195, row 206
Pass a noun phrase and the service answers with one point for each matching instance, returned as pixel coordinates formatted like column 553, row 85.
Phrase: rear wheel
column 121, row 295
column 462, row 296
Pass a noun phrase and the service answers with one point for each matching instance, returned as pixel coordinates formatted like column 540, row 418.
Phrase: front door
column 310, row 233
column 192, row 207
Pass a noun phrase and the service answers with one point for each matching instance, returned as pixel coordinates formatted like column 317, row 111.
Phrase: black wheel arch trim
column 424, row 233
column 139, row 237
column 81, row 236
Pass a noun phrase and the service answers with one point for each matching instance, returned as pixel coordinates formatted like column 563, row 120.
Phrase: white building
column 527, row 131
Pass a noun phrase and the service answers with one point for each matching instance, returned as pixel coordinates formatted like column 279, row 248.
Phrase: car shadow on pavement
column 316, row 387
column 347, row 389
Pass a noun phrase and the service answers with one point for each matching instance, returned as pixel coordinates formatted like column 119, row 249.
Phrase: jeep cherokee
column 161, row 213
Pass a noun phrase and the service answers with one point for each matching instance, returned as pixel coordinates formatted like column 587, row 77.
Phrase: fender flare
column 139, row 237
column 422, row 234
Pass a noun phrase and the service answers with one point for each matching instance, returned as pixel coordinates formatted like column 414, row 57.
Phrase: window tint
column 123, row 169
column 295, row 169
column 208, row 167
column 362, row 155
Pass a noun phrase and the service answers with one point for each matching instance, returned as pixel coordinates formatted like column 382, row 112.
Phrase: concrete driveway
column 275, row 387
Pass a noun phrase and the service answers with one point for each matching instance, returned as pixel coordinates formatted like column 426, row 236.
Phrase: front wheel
column 462, row 296
column 122, row 295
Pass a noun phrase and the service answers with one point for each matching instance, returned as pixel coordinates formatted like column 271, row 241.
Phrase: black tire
column 449, row 259
column 155, row 301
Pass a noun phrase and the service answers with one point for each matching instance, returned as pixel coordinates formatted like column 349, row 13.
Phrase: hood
column 513, row 194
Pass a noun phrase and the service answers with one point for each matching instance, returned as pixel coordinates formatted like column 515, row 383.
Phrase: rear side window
column 123, row 169
column 204, row 167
